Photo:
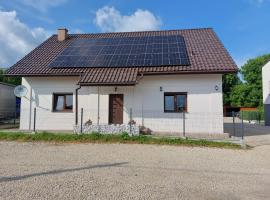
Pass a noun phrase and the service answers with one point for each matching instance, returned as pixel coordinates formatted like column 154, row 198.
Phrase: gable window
column 175, row 101
column 63, row 102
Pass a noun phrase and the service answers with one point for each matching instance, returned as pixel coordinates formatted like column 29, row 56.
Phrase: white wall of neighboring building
column 266, row 92
column 266, row 83
column 7, row 98
column 205, row 109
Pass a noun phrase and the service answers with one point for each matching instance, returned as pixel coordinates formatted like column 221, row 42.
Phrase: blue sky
column 242, row 25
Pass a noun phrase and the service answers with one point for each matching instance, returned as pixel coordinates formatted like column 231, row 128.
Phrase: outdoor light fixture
column 115, row 89
column 216, row 87
column 160, row 89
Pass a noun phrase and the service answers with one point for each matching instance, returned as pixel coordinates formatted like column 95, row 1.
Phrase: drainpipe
column 76, row 99
column 76, row 106
column 30, row 109
column 98, row 117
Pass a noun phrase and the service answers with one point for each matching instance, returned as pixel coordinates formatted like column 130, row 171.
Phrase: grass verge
column 119, row 138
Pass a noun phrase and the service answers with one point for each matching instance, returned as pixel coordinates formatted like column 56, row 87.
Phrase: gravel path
column 118, row 171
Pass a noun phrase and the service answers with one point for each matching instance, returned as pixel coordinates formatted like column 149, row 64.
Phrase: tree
column 239, row 95
column 228, row 83
column 10, row 80
column 249, row 92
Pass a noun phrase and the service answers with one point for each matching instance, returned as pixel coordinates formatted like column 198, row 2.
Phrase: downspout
column 76, row 99
column 76, row 106
column 30, row 109
column 98, row 117
column 142, row 98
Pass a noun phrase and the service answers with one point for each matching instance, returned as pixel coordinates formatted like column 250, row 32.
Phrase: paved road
column 257, row 135
column 117, row 171
column 254, row 134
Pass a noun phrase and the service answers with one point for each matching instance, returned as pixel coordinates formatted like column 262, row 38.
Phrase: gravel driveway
column 118, row 171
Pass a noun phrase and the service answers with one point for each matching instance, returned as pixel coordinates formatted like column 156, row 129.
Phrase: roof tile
column 206, row 55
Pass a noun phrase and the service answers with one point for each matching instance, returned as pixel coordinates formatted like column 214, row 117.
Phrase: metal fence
column 183, row 124
column 234, row 125
column 9, row 119
column 253, row 117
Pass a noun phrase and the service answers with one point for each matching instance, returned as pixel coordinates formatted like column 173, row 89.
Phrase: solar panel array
column 124, row 52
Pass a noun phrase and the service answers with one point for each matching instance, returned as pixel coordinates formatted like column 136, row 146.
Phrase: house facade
column 266, row 92
column 164, row 98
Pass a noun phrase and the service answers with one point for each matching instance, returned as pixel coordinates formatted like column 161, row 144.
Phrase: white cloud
column 16, row 38
column 108, row 19
column 42, row 5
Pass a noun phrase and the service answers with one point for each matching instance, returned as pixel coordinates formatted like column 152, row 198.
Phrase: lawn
column 119, row 138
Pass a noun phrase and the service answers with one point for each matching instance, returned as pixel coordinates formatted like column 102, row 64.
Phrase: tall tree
column 249, row 93
column 228, row 83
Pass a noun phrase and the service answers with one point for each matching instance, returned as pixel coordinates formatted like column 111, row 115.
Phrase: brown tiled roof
column 206, row 54
column 108, row 76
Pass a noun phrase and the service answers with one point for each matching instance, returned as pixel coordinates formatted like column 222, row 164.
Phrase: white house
column 148, row 78
column 266, row 92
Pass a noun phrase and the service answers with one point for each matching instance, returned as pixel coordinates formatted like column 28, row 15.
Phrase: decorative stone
column 131, row 129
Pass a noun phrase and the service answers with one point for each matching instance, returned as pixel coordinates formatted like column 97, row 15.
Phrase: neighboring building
column 229, row 110
column 266, row 92
column 7, row 101
column 149, row 77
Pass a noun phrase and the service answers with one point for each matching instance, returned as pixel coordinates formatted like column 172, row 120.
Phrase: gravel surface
column 123, row 171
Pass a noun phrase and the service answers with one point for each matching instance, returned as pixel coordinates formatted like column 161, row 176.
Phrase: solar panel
column 124, row 52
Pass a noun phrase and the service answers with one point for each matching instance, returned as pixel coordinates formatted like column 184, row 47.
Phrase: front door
column 116, row 108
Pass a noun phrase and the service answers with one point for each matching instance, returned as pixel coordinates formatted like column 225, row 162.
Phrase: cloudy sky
column 242, row 25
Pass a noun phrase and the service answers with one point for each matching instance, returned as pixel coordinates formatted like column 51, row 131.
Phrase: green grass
column 119, row 138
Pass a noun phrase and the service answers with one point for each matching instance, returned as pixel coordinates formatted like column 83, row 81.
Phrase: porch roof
column 109, row 76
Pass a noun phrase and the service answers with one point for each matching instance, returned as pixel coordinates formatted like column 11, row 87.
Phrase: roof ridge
column 150, row 31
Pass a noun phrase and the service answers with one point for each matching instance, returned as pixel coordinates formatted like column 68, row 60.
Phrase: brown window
column 62, row 102
column 175, row 101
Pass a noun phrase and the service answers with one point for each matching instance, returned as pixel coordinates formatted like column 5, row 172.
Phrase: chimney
column 62, row 34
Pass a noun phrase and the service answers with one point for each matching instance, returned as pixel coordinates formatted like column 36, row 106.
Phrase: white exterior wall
column 266, row 83
column 42, row 89
column 205, row 113
column 7, row 98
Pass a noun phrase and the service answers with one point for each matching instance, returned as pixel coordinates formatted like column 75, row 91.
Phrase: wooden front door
column 116, row 108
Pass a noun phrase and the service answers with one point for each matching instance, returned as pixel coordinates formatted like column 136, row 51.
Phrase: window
column 175, row 101
column 62, row 102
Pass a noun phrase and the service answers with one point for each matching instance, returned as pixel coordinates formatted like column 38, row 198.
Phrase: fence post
column 184, row 124
column 130, row 119
column 242, row 126
column 81, row 120
column 15, row 118
column 233, row 114
column 35, row 114
column 142, row 116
